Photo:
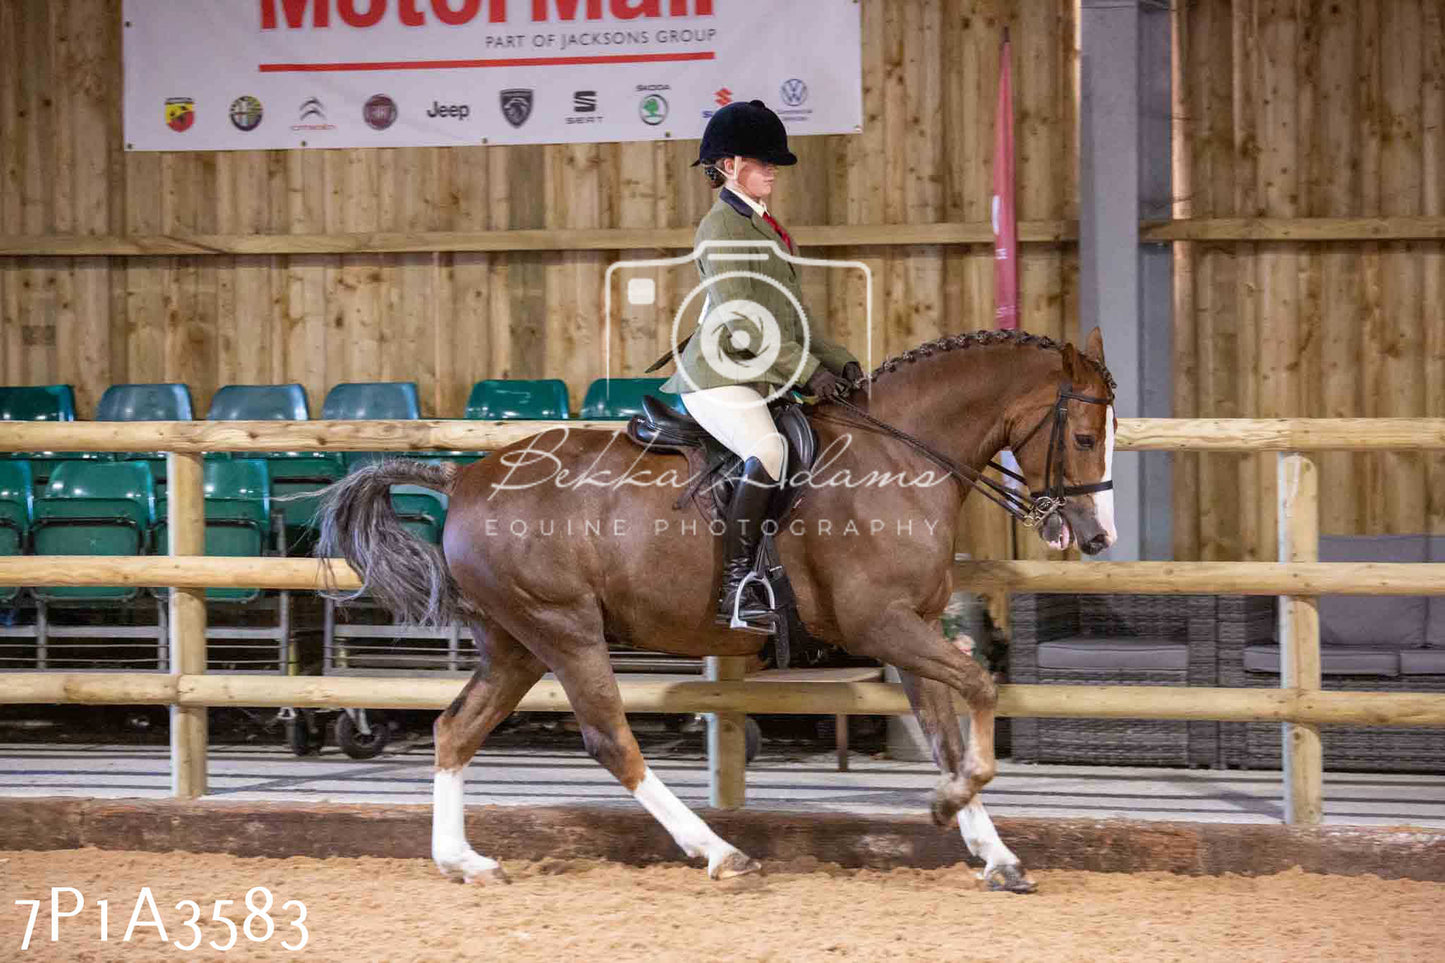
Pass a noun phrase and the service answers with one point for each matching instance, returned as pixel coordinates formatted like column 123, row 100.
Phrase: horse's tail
column 402, row 572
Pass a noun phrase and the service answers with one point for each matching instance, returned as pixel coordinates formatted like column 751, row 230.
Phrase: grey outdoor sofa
column 1115, row 640
column 1367, row 643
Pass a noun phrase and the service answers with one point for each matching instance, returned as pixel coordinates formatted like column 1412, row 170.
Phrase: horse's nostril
column 1097, row 544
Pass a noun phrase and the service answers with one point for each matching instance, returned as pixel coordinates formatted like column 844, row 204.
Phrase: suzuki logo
column 723, row 97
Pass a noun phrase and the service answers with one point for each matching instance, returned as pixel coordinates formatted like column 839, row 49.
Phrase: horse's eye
column 1084, row 441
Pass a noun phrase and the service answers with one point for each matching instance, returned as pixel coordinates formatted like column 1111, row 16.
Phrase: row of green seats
column 495, row 399
column 111, row 508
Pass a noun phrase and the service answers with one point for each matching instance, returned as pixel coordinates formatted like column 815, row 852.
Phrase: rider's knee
column 772, row 452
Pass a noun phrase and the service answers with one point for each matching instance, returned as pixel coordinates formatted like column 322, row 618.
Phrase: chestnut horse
column 570, row 539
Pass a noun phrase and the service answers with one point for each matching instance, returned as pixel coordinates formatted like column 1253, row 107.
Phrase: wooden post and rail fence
column 1300, row 705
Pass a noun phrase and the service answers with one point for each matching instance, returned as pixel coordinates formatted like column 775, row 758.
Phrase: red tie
column 781, row 233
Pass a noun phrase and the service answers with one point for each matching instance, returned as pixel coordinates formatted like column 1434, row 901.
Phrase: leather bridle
column 1030, row 510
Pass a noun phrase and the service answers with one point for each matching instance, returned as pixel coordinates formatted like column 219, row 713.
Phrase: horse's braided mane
column 969, row 339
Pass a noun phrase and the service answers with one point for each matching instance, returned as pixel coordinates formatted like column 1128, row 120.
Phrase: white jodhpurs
column 737, row 416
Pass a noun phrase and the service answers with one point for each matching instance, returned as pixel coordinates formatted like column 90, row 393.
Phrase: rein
column 1030, row 510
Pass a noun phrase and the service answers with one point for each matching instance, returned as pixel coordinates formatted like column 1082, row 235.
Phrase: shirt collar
column 757, row 207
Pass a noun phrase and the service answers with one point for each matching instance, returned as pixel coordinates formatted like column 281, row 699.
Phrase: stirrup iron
column 737, row 622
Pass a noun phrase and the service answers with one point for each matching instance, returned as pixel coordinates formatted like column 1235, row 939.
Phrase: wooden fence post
column 726, row 740
column 1299, row 635
column 186, row 521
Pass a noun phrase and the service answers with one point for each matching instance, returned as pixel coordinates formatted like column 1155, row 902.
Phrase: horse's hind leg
column 586, row 674
column 933, row 705
column 505, row 673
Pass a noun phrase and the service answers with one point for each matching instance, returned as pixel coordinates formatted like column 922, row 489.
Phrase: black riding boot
column 749, row 508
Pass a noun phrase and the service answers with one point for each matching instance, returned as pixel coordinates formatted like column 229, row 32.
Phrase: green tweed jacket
column 732, row 220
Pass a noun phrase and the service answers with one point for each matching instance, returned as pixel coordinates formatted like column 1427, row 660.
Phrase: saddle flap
column 802, row 440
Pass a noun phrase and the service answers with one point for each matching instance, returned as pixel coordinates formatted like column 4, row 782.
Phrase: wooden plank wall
column 1310, row 109
column 447, row 320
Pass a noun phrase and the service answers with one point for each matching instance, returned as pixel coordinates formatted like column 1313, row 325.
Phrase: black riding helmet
column 745, row 129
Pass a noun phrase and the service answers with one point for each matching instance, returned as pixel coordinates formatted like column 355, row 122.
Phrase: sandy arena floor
column 379, row 909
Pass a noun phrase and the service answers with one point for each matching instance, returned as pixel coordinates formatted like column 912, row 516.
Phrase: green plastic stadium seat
column 259, row 403
column 422, row 511
column 17, row 511
column 43, row 403
column 238, row 517
column 372, row 401
column 157, row 402
column 621, row 398
column 37, row 403
column 94, row 508
column 292, row 472
column 503, row 399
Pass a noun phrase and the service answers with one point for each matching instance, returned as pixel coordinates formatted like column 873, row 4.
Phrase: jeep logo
column 459, row 111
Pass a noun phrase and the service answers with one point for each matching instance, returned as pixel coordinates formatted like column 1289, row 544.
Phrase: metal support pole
column 726, row 740
column 1299, row 634
column 185, row 500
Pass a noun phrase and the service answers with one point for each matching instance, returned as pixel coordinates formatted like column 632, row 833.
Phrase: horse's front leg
column 933, row 668
column 932, row 703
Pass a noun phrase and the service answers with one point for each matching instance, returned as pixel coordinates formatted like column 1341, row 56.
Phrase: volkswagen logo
column 794, row 92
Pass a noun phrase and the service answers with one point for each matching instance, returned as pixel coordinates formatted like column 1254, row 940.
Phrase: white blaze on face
column 1104, row 501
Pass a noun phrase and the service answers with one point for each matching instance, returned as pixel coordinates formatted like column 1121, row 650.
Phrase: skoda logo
column 652, row 109
column 794, row 92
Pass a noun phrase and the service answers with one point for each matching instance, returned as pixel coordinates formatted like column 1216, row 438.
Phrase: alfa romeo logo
column 246, row 112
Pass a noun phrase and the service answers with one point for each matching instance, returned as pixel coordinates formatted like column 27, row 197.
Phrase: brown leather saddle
column 713, row 468
column 714, row 471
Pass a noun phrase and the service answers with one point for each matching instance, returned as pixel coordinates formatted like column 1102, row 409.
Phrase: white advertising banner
column 266, row 74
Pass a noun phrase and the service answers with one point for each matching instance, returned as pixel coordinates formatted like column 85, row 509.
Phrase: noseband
column 1030, row 510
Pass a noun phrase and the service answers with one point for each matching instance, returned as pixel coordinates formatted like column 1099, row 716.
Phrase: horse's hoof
column 1010, row 878
column 488, row 877
column 733, row 864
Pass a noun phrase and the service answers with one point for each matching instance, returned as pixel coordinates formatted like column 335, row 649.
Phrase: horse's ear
column 1094, row 347
column 1071, row 361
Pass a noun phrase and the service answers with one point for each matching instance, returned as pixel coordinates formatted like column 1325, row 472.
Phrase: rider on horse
column 722, row 384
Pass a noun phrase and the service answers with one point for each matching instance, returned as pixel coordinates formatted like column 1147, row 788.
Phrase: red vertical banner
column 1005, row 220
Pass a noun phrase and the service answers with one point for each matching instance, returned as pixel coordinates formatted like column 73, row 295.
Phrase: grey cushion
column 1389, row 621
column 1423, row 662
column 1096, row 653
column 1435, row 621
column 1334, row 660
